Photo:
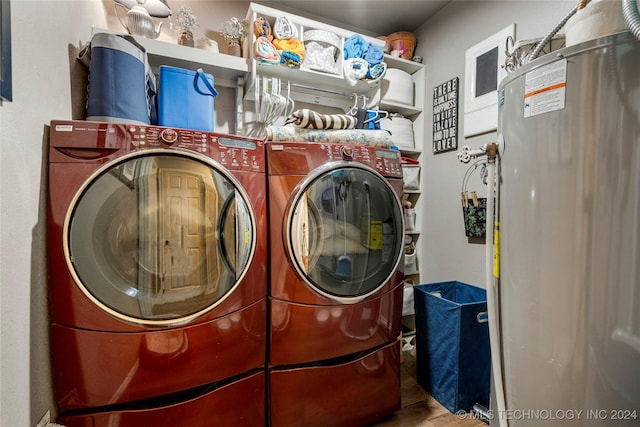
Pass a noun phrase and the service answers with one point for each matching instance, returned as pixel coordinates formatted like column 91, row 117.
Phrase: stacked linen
column 279, row 45
column 363, row 60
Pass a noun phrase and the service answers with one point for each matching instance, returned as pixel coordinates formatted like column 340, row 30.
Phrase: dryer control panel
column 301, row 157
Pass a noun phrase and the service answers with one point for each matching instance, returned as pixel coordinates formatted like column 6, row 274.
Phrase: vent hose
column 631, row 16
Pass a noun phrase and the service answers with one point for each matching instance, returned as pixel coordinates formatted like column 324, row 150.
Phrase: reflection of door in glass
column 151, row 237
column 182, row 234
column 180, row 230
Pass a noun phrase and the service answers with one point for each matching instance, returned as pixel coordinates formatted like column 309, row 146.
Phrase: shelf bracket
column 239, row 108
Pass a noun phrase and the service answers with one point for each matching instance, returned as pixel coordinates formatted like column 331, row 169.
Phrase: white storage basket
column 407, row 298
column 410, row 219
column 410, row 264
column 401, row 130
column 411, row 177
column 397, row 86
column 323, row 52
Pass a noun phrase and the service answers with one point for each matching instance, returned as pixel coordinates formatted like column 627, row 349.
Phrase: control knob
column 169, row 136
column 347, row 152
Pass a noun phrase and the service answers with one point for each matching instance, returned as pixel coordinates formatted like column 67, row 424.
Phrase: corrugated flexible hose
column 536, row 51
column 631, row 16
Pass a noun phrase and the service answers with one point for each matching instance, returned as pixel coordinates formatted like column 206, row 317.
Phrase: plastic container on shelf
column 186, row 98
column 387, row 43
column 403, row 44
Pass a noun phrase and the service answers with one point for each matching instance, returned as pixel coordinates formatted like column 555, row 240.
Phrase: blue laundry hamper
column 452, row 344
column 186, row 98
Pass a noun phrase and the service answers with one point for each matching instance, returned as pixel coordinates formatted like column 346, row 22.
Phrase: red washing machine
column 157, row 270
column 336, row 245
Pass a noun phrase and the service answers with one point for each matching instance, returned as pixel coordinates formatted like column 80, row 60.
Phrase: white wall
column 442, row 41
column 43, row 31
column 41, row 34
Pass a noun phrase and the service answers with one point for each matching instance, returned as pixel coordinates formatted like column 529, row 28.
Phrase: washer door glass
column 345, row 232
column 160, row 236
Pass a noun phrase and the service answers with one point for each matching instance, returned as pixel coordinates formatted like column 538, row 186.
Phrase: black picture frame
column 6, row 92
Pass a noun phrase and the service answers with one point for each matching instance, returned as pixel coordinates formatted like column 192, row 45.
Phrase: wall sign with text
column 445, row 116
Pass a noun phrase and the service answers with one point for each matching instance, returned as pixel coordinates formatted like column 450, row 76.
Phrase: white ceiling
column 377, row 17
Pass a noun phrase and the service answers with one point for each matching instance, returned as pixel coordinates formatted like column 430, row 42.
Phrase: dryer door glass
column 345, row 232
column 160, row 237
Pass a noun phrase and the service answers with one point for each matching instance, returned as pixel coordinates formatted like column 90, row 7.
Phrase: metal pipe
column 494, row 338
column 466, row 153
column 481, row 412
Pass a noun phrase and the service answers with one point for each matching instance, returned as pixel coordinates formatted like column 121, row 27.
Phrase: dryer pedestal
column 236, row 403
column 119, row 368
column 352, row 393
column 332, row 331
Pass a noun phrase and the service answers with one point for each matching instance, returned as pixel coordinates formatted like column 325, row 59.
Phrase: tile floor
column 419, row 409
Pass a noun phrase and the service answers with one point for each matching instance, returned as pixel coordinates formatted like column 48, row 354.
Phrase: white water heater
column 569, row 237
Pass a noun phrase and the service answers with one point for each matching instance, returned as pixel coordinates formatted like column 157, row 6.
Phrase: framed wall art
column 445, row 116
column 483, row 73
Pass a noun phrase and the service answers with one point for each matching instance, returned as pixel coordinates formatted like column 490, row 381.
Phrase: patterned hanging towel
column 310, row 119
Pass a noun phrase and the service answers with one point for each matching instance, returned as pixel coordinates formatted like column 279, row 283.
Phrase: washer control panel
column 233, row 152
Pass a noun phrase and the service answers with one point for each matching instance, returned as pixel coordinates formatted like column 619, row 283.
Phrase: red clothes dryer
column 157, row 269
column 336, row 245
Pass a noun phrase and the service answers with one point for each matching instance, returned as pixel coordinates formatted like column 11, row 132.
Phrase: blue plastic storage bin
column 452, row 344
column 185, row 98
